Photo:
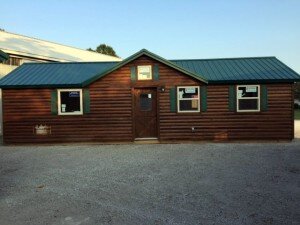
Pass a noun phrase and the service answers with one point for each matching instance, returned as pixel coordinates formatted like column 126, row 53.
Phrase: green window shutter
column 232, row 98
column 203, row 98
column 172, row 99
column 263, row 98
column 86, row 101
column 133, row 73
column 54, row 106
column 156, row 72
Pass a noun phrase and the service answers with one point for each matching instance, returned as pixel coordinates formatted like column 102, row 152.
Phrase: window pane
column 248, row 104
column 144, row 73
column 188, row 105
column 250, row 91
column 70, row 101
column 188, row 92
column 145, row 102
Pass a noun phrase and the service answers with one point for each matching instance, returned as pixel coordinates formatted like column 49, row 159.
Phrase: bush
column 296, row 106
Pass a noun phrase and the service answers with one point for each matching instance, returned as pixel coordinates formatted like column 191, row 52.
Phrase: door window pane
column 146, row 102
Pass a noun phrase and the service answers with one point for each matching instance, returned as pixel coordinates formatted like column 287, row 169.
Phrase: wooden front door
column 145, row 112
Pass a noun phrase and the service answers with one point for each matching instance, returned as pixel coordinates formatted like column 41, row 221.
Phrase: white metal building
column 22, row 49
column 26, row 49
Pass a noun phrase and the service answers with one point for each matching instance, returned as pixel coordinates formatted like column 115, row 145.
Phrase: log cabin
column 146, row 97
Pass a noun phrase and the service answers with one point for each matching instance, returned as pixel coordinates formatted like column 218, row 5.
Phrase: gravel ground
column 256, row 183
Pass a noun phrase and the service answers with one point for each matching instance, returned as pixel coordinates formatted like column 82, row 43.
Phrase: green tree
column 104, row 49
column 89, row 49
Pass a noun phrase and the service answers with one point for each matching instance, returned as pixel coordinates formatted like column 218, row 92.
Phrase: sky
column 173, row 29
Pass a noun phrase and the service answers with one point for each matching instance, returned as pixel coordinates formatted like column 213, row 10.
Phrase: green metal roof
column 232, row 70
column 240, row 70
column 3, row 56
column 70, row 74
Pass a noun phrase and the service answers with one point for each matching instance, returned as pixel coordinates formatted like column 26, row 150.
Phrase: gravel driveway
column 151, row 184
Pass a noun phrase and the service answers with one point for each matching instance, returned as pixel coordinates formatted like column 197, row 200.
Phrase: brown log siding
column 111, row 117
column 220, row 124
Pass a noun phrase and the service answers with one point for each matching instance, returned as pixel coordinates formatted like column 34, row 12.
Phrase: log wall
column 111, row 116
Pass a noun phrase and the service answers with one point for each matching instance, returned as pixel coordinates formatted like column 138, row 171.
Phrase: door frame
column 133, row 109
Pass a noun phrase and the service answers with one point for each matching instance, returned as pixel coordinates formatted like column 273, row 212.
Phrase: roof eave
column 254, row 81
column 3, row 56
column 48, row 86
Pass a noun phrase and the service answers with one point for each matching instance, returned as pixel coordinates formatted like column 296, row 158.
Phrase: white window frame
column 59, row 102
column 178, row 99
column 258, row 98
column 138, row 73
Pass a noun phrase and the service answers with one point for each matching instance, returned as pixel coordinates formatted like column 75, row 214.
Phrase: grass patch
column 297, row 114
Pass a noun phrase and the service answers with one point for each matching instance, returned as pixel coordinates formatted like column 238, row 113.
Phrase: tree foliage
column 104, row 49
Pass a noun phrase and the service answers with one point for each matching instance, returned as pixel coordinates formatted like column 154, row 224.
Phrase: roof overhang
column 3, row 56
column 41, row 86
column 34, row 56
column 269, row 81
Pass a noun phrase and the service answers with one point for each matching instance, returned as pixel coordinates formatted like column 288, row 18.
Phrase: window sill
column 194, row 112
column 248, row 111
column 70, row 114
